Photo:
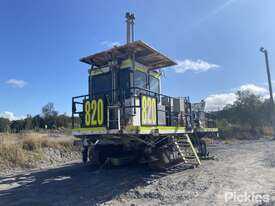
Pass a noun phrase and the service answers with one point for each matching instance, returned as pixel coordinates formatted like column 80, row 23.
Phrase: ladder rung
column 187, row 157
column 187, row 143
column 183, row 144
column 182, row 141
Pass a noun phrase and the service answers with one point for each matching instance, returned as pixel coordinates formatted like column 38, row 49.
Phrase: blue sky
column 216, row 43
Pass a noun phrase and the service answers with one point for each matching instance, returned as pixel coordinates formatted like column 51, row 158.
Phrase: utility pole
column 272, row 113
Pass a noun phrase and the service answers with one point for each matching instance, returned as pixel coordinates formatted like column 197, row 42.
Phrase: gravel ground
column 244, row 172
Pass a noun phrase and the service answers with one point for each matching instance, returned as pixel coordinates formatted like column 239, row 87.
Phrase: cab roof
column 144, row 54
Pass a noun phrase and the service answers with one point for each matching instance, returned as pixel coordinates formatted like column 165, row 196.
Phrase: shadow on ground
column 71, row 185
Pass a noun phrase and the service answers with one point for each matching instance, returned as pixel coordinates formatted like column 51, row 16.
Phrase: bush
column 240, row 132
column 247, row 118
column 32, row 144
column 12, row 155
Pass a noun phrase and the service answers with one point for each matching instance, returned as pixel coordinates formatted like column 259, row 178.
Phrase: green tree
column 248, row 106
column 4, row 124
column 50, row 115
column 249, row 110
column 63, row 121
column 28, row 122
column 17, row 125
column 38, row 122
column 49, row 110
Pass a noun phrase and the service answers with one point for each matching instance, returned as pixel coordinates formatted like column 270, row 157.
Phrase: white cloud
column 197, row 66
column 10, row 116
column 16, row 83
column 110, row 43
column 216, row 102
column 254, row 89
column 267, row 96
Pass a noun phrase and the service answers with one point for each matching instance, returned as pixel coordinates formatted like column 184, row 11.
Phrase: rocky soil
column 242, row 174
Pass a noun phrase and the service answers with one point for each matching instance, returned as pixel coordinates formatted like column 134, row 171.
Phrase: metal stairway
column 187, row 151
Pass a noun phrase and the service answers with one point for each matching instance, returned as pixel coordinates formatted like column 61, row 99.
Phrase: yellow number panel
column 87, row 113
column 94, row 112
column 148, row 110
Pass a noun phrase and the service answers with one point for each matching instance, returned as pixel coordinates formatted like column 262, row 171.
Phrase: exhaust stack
column 130, row 27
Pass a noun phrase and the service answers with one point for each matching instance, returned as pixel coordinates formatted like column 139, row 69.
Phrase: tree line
column 249, row 112
column 48, row 119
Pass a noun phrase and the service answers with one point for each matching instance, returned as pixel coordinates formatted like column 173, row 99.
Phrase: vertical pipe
column 118, row 118
column 272, row 113
column 72, row 113
column 132, row 28
column 270, row 93
column 128, row 35
column 128, row 31
column 108, row 117
column 269, row 78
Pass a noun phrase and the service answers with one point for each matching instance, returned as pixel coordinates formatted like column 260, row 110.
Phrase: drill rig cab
column 124, row 117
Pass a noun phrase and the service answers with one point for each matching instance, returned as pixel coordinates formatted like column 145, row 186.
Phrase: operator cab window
column 140, row 79
column 140, row 82
column 154, row 84
column 101, row 83
column 124, row 82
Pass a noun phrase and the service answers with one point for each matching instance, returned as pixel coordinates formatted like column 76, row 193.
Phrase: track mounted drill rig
column 125, row 118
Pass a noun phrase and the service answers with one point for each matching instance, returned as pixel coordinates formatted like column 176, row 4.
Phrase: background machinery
column 125, row 118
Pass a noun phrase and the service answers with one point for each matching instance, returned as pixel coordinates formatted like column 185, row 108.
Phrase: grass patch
column 29, row 149
column 32, row 143
column 12, row 155
column 240, row 132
